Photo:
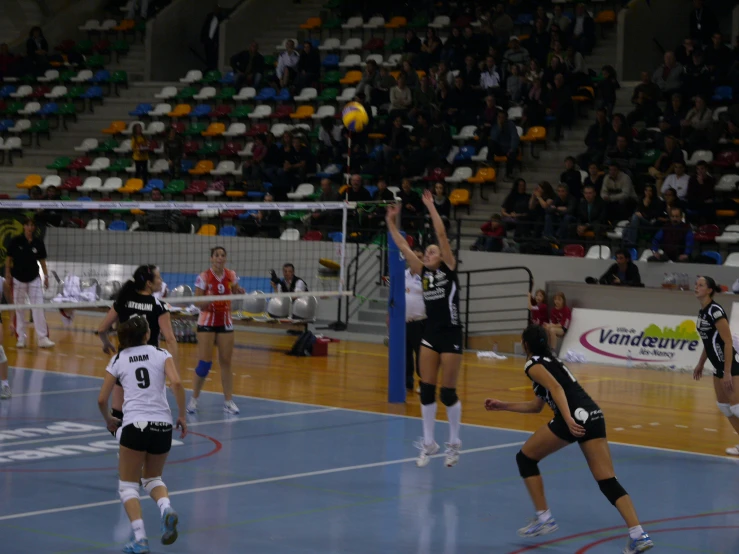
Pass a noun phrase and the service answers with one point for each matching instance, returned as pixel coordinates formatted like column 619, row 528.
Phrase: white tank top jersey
column 141, row 373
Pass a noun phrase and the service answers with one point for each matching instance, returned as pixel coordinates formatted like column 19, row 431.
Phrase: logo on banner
column 648, row 344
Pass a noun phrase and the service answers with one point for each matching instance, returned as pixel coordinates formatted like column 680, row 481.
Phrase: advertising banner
column 634, row 339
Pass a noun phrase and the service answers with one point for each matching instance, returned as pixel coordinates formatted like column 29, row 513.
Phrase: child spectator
column 538, row 308
column 559, row 317
column 491, row 239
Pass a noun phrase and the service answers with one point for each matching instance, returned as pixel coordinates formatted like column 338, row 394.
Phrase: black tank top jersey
column 712, row 341
column 145, row 305
column 441, row 296
column 577, row 398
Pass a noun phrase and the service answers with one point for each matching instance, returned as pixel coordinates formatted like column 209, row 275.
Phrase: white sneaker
column 733, row 450
column 21, row 342
column 44, row 342
column 425, row 452
column 5, row 392
column 452, row 454
column 192, row 405
column 537, row 528
column 230, row 408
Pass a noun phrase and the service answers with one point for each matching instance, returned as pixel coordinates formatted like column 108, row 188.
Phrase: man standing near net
column 23, row 281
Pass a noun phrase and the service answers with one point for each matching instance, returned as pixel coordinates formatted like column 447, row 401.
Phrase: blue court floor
column 286, row 478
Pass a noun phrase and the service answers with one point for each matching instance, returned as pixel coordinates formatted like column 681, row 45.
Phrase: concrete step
column 367, row 316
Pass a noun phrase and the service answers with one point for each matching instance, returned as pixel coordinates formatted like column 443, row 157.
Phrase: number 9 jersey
column 140, row 371
column 217, row 314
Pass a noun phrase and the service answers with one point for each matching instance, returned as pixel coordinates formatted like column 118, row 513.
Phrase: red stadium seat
column 574, row 251
column 313, row 235
column 707, row 233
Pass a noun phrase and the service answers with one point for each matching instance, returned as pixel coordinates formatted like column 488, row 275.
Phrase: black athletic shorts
column 444, row 340
column 147, row 436
column 215, row 329
column 595, row 425
column 720, row 372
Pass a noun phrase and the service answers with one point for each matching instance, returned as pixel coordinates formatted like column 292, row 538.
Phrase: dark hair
column 625, row 253
column 133, row 332
column 141, row 276
column 28, row 220
column 213, row 250
column 711, row 284
column 291, row 266
column 535, row 340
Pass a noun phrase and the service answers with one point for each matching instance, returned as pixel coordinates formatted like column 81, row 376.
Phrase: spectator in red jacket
column 559, row 320
column 538, row 308
column 491, row 239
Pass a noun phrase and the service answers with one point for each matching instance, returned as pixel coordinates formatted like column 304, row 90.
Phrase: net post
column 342, row 254
column 396, row 321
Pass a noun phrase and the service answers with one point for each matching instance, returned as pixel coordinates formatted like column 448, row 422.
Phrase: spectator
column 140, row 152
column 515, row 207
column 370, row 80
column 559, row 320
column 618, row 193
column 164, row 221
column 571, row 177
column 397, row 140
column 539, row 41
column 594, row 179
column 248, row 66
column 492, row 236
column 623, row 273
column 605, row 91
column 673, row 116
column 538, row 309
column 430, row 50
column 559, row 21
column 287, row 64
column 696, row 124
column 424, row 99
column 490, row 80
column 678, row 180
column 263, row 223
column 7, row 62
column 411, row 77
column 684, row 52
column 309, row 67
column 35, row 193
column 412, row 45
column 515, row 55
column 576, row 68
column 37, row 50
column 596, row 140
column 647, row 214
column 174, row 151
column 701, row 189
column 504, row 141
column 401, row 99
column 622, row 155
column 591, row 213
column 412, row 207
column 470, row 73
column 674, row 242
column 560, row 215
column 665, row 164
column 668, row 76
column 718, row 56
column 296, row 165
column 321, row 218
column 583, row 30
column 697, row 79
column 381, row 92
column 703, row 23
column 209, row 36
column 442, row 204
column 501, row 23
column 540, row 203
column 514, row 84
column 560, row 106
column 645, row 98
column 289, row 282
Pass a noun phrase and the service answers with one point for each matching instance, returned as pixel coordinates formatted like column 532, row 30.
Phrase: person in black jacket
column 591, row 213
column 248, row 66
column 209, row 37
column 624, row 273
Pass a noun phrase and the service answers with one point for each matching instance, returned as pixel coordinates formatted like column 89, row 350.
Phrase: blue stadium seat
column 118, row 225
column 255, row 195
column 633, row 253
column 465, row 153
column 331, row 60
column 267, row 93
column 201, row 110
column 101, row 76
column 6, row 124
column 336, row 237
column 715, row 255
column 141, row 109
column 247, row 215
column 227, row 231
column 187, row 165
column 228, row 78
column 722, row 94
column 93, row 93
column 283, row 96
column 153, row 184
column 49, row 109
column 372, row 189
column 22, row 197
column 6, row 91
column 267, row 186
column 84, row 199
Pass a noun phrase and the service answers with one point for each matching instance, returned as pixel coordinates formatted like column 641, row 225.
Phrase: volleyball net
column 94, row 247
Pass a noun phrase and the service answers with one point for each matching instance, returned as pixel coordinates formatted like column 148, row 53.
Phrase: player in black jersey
column 136, row 298
column 442, row 341
column 713, row 328
column 577, row 418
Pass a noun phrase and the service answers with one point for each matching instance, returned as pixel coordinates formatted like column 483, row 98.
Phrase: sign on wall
column 639, row 339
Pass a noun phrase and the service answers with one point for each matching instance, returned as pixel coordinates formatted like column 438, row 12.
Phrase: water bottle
column 629, row 360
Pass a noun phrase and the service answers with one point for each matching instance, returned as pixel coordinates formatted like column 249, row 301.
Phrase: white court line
column 400, row 416
column 49, row 393
column 192, row 424
column 251, row 482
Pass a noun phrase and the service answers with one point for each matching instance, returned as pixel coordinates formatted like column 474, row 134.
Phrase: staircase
column 551, row 160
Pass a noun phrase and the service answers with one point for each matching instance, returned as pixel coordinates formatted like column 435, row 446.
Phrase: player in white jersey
column 146, row 429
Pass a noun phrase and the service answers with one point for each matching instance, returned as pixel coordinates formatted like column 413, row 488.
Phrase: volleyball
column 354, row 117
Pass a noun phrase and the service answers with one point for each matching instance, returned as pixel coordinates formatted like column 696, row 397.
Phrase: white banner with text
column 634, row 339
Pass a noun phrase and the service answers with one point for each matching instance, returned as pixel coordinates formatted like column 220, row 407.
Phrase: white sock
column 636, row 532
column 454, row 415
column 545, row 516
column 138, row 529
column 163, row 504
column 4, row 383
column 428, row 411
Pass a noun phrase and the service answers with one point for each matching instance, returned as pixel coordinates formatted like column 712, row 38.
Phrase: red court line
column 217, row 446
column 587, row 547
column 618, row 527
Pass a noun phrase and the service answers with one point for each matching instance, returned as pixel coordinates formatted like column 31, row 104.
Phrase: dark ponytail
column 133, row 332
column 142, row 274
column 711, row 284
column 536, row 341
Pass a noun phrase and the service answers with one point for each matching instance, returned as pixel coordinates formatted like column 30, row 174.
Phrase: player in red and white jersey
column 215, row 328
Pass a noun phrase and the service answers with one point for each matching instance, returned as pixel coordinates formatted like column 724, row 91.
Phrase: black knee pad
column 526, row 466
column 428, row 393
column 448, row 397
column 612, row 489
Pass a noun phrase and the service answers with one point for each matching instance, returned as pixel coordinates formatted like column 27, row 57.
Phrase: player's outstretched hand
column 182, row 424
column 493, row 405
column 576, row 429
column 428, row 198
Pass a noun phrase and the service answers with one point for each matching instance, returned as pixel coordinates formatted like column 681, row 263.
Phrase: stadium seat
column 203, row 167
column 180, row 110
column 30, row 181
column 290, row 234
column 132, row 186
column 598, row 252
column 166, row 93
column 713, row 255
column 141, row 110
column 728, row 183
column 192, row 76
column 115, row 128
column 118, row 225
column 351, row 78
column 208, row 230
column 95, row 224
column 246, row 93
column 51, row 181
column 700, row 156
column 225, row 167
column 206, row 93
column 112, row 184
column 98, row 164
column 574, row 251
column 228, row 231
column 460, row 174
column 732, row 260
column 88, row 145
column 283, row 111
column 301, row 192
column 618, row 231
column 308, row 94
column 262, row 111
column 91, row 184
column 460, row 197
column 313, row 235
column 214, row 130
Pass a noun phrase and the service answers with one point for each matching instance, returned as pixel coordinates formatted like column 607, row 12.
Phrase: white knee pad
column 735, row 410
column 726, row 409
column 128, row 491
column 3, row 357
column 151, row 484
